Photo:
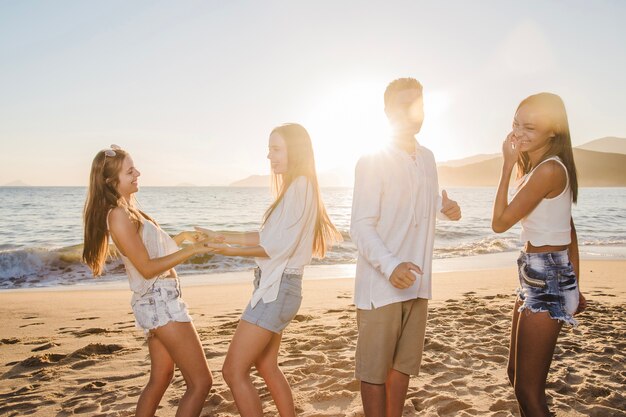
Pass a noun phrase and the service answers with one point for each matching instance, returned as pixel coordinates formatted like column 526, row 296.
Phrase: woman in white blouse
column 295, row 227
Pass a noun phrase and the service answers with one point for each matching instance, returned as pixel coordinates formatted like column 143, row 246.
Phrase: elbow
column 498, row 227
column 147, row 273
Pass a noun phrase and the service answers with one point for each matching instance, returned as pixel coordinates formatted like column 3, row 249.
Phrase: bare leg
column 267, row 365
column 161, row 373
column 537, row 334
column 396, row 386
column 246, row 347
column 374, row 399
column 510, row 370
column 183, row 344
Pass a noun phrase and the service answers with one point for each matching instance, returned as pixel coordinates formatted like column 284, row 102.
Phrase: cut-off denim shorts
column 276, row 315
column 548, row 283
column 160, row 305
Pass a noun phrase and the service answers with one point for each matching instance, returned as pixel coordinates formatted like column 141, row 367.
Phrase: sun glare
column 349, row 121
column 346, row 123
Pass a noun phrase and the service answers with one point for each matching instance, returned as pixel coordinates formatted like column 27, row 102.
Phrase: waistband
column 287, row 271
column 167, row 282
column 551, row 258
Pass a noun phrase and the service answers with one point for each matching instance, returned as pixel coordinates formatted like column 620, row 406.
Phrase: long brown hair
column 301, row 162
column 102, row 196
column 560, row 143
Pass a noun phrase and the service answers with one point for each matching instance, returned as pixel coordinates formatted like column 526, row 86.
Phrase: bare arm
column 572, row 250
column 235, row 238
column 549, row 178
column 189, row 237
column 574, row 258
column 129, row 243
column 228, row 250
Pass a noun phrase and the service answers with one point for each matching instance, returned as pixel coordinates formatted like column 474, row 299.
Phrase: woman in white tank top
column 548, row 267
column 149, row 255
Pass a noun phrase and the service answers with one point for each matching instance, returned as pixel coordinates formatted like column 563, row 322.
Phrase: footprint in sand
column 46, row 346
column 31, row 324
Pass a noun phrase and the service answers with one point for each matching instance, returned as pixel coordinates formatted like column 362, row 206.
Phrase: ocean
column 41, row 228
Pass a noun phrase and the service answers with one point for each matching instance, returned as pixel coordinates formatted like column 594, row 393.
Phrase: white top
column 394, row 209
column 158, row 244
column 287, row 237
column 549, row 222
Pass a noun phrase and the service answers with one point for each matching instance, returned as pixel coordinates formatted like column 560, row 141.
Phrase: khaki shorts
column 390, row 337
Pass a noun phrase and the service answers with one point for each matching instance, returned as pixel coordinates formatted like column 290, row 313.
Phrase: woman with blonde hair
column 295, row 227
column 149, row 255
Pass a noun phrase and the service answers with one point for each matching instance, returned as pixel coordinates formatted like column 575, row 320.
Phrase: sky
column 192, row 89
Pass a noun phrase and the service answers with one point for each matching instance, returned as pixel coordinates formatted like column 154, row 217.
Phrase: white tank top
column 158, row 243
column 549, row 222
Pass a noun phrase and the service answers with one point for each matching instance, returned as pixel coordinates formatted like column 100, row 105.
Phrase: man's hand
column 403, row 276
column 450, row 207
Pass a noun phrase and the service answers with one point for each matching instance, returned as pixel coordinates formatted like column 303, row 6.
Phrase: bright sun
column 349, row 121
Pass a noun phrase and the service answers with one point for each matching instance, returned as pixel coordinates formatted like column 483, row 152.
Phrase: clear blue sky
column 193, row 88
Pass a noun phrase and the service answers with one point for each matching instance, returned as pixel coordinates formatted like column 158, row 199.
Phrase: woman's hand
column 219, row 248
column 211, row 235
column 194, row 237
column 510, row 151
column 582, row 303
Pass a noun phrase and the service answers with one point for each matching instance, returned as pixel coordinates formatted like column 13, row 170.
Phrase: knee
column 201, row 384
column 204, row 385
column 266, row 370
column 162, row 377
column 231, row 373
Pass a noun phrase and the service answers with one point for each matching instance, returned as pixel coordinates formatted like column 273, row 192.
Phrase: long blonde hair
column 102, row 196
column 301, row 162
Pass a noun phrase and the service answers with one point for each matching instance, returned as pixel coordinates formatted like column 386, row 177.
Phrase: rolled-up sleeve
column 366, row 206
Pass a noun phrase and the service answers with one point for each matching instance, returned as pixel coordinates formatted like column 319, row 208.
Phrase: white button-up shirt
column 394, row 209
column 287, row 237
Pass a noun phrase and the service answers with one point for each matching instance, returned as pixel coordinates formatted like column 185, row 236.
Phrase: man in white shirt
column 394, row 209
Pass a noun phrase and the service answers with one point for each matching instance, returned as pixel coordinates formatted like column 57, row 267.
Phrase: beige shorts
column 390, row 337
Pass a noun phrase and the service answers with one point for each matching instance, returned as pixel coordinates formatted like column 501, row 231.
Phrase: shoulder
column 373, row 161
column 427, row 152
column 119, row 218
column 547, row 179
column 299, row 187
column 551, row 169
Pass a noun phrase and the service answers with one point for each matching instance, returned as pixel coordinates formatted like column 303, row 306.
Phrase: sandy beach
column 75, row 351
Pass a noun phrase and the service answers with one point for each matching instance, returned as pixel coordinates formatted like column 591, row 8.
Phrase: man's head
column 404, row 106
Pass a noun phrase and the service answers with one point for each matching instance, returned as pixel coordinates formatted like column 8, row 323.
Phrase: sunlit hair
column 401, row 84
column 301, row 162
column 560, row 144
column 102, row 196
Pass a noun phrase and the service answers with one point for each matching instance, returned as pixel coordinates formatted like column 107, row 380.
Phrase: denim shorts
column 276, row 315
column 548, row 283
column 160, row 305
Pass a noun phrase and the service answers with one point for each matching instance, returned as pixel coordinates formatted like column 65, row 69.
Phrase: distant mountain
column 469, row 160
column 608, row 144
column 339, row 177
column 16, row 183
column 600, row 163
column 595, row 169
column 252, row 181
